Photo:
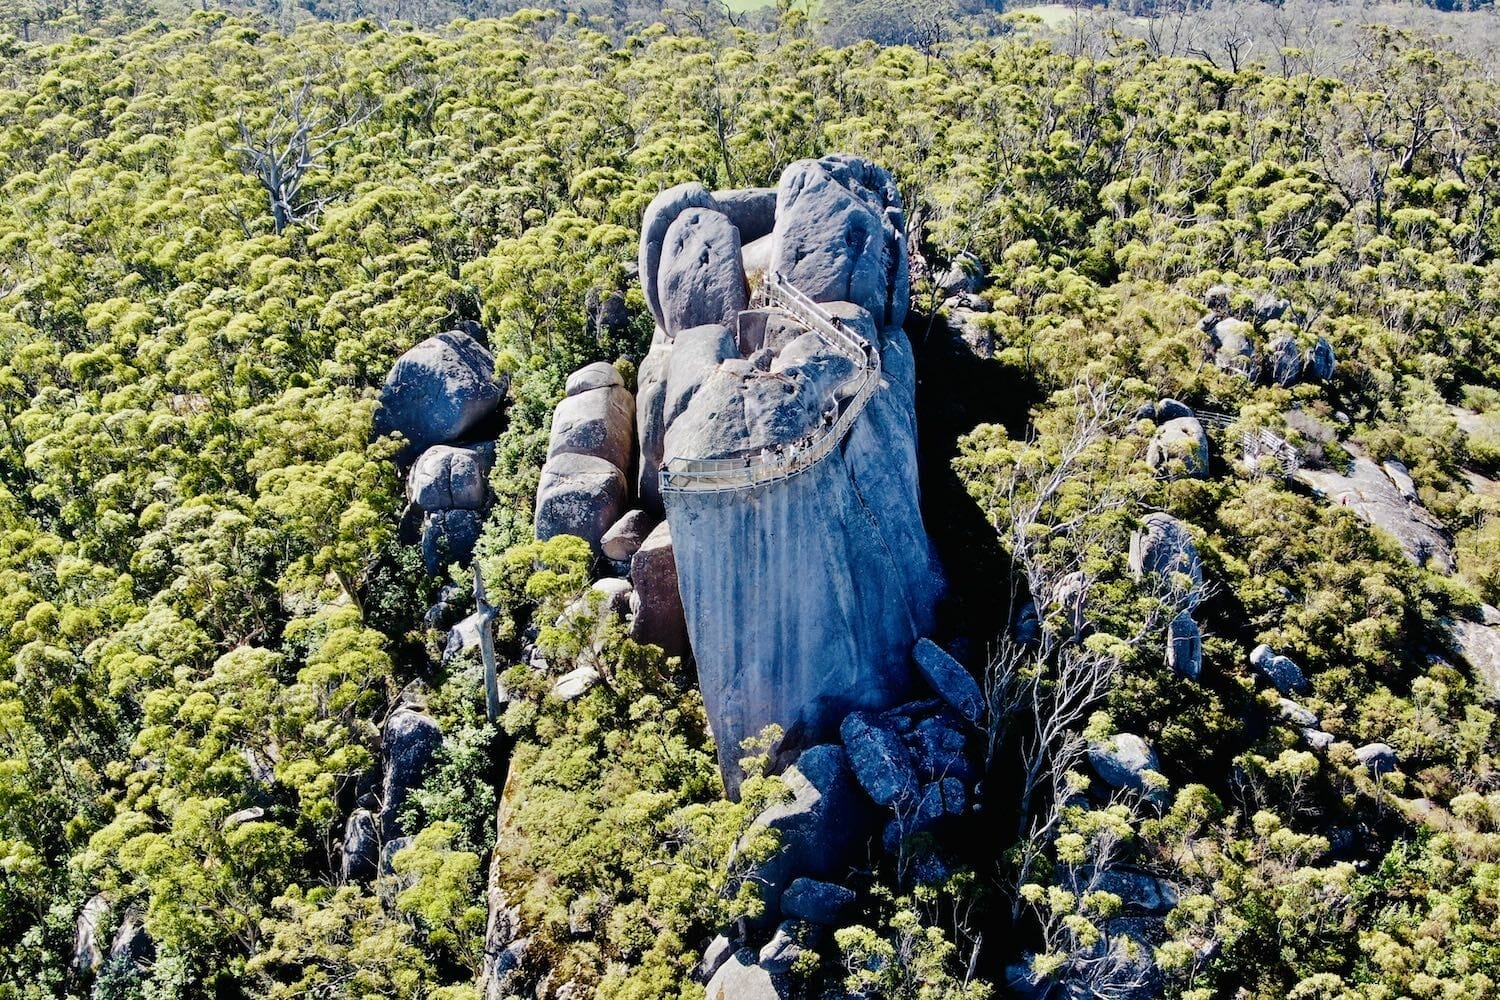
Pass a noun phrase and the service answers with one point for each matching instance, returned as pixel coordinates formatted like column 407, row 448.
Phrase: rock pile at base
column 1258, row 337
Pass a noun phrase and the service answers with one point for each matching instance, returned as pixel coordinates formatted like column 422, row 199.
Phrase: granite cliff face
column 804, row 594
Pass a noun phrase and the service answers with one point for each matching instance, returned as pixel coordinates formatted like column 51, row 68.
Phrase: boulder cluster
column 374, row 830
column 443, row 400
column 1179, row 448
column 1255, row 336
column 893, row 775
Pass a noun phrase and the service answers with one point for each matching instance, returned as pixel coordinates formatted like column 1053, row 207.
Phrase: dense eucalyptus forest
column 217, row 234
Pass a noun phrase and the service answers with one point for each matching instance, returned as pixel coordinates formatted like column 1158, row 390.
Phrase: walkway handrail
column 1258, row 442
column 724, row 474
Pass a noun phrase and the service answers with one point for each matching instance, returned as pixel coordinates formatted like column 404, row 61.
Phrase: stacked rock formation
column 894, row 776
column 444, row 401
column 803, row 596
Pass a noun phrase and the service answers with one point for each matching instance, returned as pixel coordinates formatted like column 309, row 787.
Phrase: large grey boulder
column 840, row 236
column 696, row 354
column 449, row 536
column 658, row 218
column 822, row 828
column 86, row 952
column 579, row 495
column 1122, row 760
column 879, row 760
column 938, row 748
column 1372, row 495
column 1379, row 758
column 1283, row 362
column 132, row 942
column 719, row 951
column 361, row 847
column 1185, row 646
column 816, row 901
column 1232, row 346
column 948, row 678
column 702, row 276
column 442, row 390
column 625, row 536
column 657, row 600
column 1478, row 645
column 1282, row 671
column 752, row 210
column 1180, row 440
column 1320, row 362
column 1168, row 408
column 598, row 422
column 407, row 747
column 1294, row 714
column 651, row 423
column 599, row 375
column 741, row 977
column 1163, row 547
column 446, row 477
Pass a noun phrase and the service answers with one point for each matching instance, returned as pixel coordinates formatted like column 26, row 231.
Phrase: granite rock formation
column 803, row 596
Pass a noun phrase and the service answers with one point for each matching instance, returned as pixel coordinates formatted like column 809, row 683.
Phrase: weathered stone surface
column 132, row 943
column 786, row 946
column 575, row 683
column 822, row 827
column 449, row 536
column 579, row 495
column 879, row 760
column 751, row 210
column 1478, row 645
column 597, row 422
column 249, row 814
column 1371, row 494
column 1400, row 478
column 1233, row 348
column 1185, row 646
column 948, row 678
column 361, row 847
column 742, row 978
column 701, row 277
column 1217, row 298
column 599, row 375
column 1283, row 362
column 715, row 955
column 834, row 562
column 442, row 390
column 839, row 236
column 1183, row 440
column 1026, row 624
column 1268, row 307
column 411, row 738
column 816, row 901
column 658, row 218
column 1379, row 758
column 1282, row 671
column 1171, row 409
column 966, row 273
column 1316, row 739
column 937, row 748
column 445, row 477
column 696, row 354
column 657, row 601
column 651, row 423
column 625, row 536
column 388, row 852
column 1122, row 760
column 1165, row 547
column 756, row 257
column 1295, row 714
column 1139, row 892
column 1319, row 364
column 86, row 953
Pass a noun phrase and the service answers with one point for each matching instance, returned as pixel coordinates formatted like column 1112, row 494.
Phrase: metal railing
column 750, row 471
column 1258, row 442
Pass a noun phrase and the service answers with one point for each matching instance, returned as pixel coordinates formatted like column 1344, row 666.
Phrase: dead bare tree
column 1041, row 688
column 283, row 154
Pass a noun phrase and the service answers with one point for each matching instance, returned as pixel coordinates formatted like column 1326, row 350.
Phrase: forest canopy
column 207, row 611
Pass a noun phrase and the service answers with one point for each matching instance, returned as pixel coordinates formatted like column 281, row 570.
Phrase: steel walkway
column 696, row 475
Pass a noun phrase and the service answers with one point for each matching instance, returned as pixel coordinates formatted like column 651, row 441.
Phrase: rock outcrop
column 410, row 740
column 442, row 390
column 803, row 596
column 1377, row 497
